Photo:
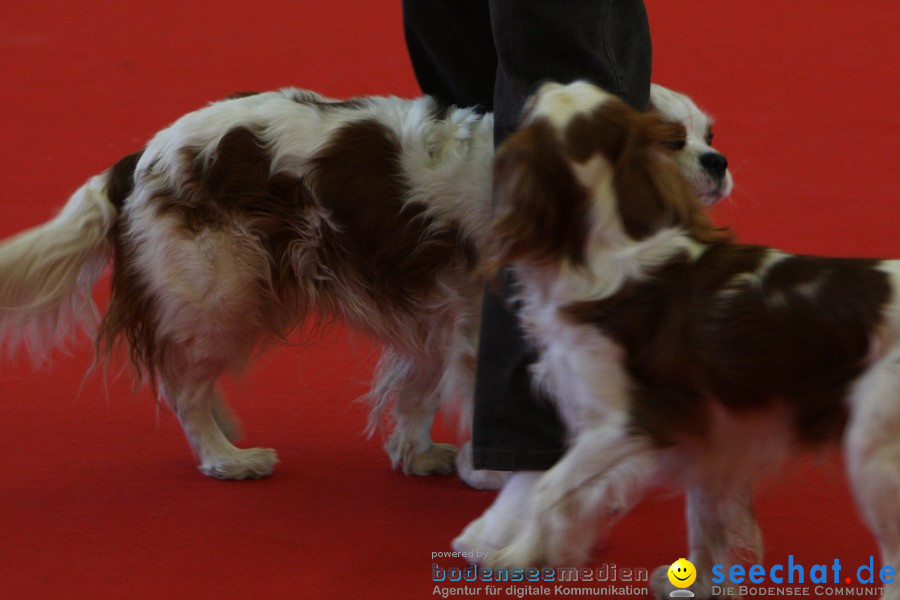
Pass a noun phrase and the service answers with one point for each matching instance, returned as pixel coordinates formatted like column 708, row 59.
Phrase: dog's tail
column 47, row 273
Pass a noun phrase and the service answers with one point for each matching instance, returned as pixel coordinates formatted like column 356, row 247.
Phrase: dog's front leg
column 722, row 530
column 601, row 477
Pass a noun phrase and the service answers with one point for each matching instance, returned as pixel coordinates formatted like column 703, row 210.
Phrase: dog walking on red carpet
column 247, row 218
column 674, row 353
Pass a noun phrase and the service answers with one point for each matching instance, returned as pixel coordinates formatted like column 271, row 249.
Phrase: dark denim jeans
column 493, row 54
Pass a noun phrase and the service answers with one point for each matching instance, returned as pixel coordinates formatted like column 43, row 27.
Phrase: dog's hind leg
column 192, row 308
column 872, row 449
column 226, row 419
column 195, row 354
column 194, row 403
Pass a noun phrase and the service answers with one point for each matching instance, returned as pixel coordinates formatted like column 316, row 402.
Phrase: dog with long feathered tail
column 255, row 215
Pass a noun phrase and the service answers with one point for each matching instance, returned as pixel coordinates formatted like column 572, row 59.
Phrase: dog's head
column 587, row 173
column 704, row 166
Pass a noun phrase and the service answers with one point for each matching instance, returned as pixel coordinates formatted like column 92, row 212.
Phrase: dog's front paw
column 536, row 545
column 439, row 459
column 252, row 463
column 566, row 526
column 505, row 541
column 527, row 549
column 483, row 537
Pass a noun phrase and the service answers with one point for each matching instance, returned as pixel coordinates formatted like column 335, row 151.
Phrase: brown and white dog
column 248, row 218
column 674, row 353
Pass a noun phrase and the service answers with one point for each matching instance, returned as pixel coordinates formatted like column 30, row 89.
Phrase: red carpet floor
column 99, row 497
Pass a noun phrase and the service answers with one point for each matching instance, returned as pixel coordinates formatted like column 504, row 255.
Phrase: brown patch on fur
column 392, row 245
column 234, row 188
column 764, row 342
column 374, row 244
column 120, row 182
column 238, row 187
column 127, row 324
column 542, row 207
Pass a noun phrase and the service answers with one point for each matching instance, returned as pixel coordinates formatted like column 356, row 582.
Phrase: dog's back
column 253, row 215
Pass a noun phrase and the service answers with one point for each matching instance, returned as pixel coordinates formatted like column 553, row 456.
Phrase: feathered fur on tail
column 47, row 273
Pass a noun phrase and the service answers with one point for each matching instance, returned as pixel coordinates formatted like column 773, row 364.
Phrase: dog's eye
column 709, row 137
column 675, row 144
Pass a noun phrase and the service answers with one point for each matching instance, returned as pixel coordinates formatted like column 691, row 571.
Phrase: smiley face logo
column 682, row 573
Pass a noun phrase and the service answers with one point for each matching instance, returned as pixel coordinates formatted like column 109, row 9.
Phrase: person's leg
column 451, row 50
column 512, row 429
column 608, row 43
column 453, row 46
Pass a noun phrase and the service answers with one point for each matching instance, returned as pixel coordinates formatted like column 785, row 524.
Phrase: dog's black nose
column 715, row 164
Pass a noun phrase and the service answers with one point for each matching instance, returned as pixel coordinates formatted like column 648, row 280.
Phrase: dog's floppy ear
column 542, row 210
